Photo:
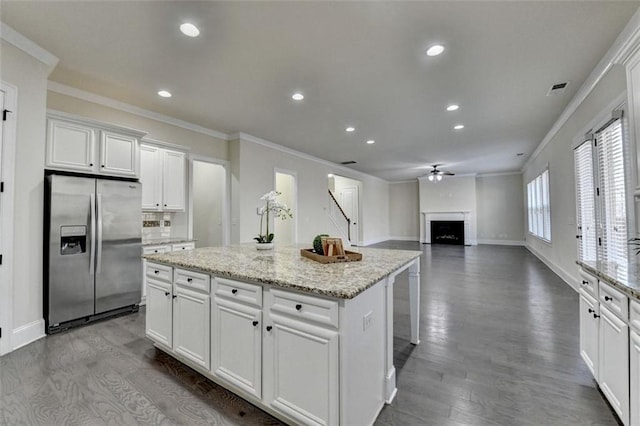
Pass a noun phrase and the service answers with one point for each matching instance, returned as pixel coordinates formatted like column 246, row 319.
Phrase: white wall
column 561, row 253
column 30, row 77
column 208, row 202
column 500, row 209
column 451, row 194
column 404, row 211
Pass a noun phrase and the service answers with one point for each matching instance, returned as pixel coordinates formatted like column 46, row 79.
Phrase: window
column 585, row 202
column 538, row 206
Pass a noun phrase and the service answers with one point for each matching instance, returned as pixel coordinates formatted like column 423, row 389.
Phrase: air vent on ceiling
column 348, row 162
column 557, row 89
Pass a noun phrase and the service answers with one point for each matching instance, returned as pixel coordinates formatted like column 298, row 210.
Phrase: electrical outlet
column 366, row 320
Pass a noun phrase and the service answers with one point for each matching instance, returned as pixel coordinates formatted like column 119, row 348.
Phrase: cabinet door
column 634, row 363
column 158, row 312
column 614, row 362
column 151, row 177
column 301, row 370
column 589, row 331
column 118, row 154
column 70, row 146
column 236, row 345
column 191, row 323
column 173, row 178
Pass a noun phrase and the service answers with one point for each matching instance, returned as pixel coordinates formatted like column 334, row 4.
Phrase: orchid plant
column 271, row 206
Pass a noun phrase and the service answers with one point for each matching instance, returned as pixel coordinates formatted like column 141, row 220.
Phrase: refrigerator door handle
column 99, row 234
column 92, row 214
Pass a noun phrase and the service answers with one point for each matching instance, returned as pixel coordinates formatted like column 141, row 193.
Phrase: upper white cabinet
column 163, row 177
column 86, row 146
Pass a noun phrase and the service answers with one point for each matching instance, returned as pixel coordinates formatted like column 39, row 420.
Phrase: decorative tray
column 349, row 256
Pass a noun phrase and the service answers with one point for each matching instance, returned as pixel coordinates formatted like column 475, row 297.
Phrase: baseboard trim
column 404, row 238
column 566, row 277
column 374, row 241
column 502, row 242
column 27, row 333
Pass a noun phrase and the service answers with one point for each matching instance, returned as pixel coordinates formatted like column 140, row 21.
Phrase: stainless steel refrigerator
column 92, row 242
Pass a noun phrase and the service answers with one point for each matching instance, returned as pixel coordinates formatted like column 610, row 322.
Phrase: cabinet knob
column 102, row 165
column 156, row 271
column 585, row 282
column 269, row 328
column 596, row 316
column 91, row 164
column 166, row 293
column 234, row 291
column 189, row 280
column 607, row 298
column 174, row 296
column 157, row 204
column 165, row 205
column 298, row 307
column 255, row 323
column 591, row 311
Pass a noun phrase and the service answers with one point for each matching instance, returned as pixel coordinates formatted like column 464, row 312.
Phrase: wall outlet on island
column 366, row 320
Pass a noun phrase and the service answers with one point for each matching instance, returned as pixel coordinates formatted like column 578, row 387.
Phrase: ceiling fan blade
column 447, row 173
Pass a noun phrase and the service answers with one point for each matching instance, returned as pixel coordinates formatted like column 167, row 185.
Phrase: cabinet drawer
column 156, row 249
column 183, row 246
column 634, row 314
column 250, row 294
column 614, row 300
column 193, row 280
column 309, row 308
column 589, row 283
column 159, row 272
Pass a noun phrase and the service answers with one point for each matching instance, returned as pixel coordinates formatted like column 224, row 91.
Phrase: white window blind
column 611, row 196
column 585, row 202
column 538, row 206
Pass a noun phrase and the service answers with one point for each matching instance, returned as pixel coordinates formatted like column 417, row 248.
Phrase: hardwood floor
column 499, row 346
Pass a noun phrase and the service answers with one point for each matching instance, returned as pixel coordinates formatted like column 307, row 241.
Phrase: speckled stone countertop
column 162, row 241
column 625, row 278
column 285, row 267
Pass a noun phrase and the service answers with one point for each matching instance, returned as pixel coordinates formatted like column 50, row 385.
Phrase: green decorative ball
column 317, row 244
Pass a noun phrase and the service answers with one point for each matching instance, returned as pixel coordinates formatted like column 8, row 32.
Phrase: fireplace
column 447, row 232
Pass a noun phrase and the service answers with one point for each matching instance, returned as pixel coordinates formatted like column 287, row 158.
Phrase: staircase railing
column 339, row 218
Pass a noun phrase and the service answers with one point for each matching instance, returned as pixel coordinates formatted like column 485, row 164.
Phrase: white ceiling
column 357, row 63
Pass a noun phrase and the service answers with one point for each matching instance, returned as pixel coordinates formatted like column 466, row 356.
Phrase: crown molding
column 63, row 89
column 334, row 166
column 403, row 181
column 513, row 173
column 28, row 46
column 625, row 45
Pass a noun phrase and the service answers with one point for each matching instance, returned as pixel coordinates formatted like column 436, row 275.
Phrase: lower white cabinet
column 589, row 331
column 159, row 311
column 191, row 325
column 614, row 362
column 634, row 367
column 163, row 248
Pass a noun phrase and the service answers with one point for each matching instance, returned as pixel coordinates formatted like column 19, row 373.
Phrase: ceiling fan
column 435, row 175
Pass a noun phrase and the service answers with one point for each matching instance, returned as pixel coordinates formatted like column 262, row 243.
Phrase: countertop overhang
column 625, row 278
column 285, row 267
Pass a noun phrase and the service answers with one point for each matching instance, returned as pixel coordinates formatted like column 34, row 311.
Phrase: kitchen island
column 307, row 342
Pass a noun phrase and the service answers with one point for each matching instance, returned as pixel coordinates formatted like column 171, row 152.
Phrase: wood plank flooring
column 499, row 346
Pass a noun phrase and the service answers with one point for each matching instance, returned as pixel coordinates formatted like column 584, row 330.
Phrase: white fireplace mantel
column 455, row 215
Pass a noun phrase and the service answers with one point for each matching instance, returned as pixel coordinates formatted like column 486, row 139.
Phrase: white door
column 173, row 180
column 589, row 331
column 348, row 199
column 159, row 312
column 236, row 345
column 634, row 363
column 285, row 230
column 191, row 325
column 301, row 370
column 614, row 362
column 70, row 146
column 118, row 154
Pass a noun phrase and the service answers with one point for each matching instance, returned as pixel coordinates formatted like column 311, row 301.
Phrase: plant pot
column 264, row 246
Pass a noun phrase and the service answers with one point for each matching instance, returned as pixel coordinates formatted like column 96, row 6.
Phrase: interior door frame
column 226, row 201
column 6, row 214
column 294, row 208
column 356, row 241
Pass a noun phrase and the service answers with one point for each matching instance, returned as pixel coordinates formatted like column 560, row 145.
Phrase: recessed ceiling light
column 458, row 127
column 371, row 141
column 189, row 29
column 164, row 94
column 297, row 96
column 350, row 129
column 435, row 50
column 453, row 107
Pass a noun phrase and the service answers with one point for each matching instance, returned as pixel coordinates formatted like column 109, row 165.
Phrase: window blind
column 538, row 206
column 585, row 202
column 612, row 244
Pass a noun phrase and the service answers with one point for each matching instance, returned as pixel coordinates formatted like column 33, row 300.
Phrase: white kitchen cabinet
column 589, row 331
column 159, row 312
column 634, row 367
column 163, row 177
column 614, row 362
column 301, row 368
column 191, row 332
column 86, row 146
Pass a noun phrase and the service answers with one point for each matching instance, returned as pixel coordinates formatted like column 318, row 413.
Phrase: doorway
column 347, row 193
column 209, row 202
column 286, row 230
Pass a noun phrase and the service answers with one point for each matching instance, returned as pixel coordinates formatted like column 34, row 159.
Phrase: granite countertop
column 162, row 241
column 285, row 267
column 626, row 278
